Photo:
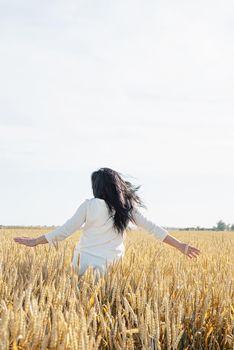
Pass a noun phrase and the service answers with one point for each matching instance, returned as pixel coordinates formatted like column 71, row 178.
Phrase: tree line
column 220, row 226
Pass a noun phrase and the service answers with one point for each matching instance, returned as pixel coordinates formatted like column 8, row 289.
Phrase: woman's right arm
column 141, row 221
column 184, row 248
column 163, row 235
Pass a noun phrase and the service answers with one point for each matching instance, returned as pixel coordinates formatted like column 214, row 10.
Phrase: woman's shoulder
column 95, row 201
column 96, row 206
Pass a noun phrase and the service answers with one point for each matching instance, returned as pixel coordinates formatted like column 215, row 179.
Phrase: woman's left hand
column 30, row 242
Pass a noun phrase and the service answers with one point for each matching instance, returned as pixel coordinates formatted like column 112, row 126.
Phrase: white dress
column 99, row 242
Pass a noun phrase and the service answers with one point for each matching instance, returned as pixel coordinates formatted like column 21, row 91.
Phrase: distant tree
column 221, row 226
column 232, row 227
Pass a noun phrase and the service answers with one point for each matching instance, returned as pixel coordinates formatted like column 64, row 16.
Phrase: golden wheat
column 156, row 298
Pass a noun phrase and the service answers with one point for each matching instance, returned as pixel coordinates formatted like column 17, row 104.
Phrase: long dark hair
column 119, row 195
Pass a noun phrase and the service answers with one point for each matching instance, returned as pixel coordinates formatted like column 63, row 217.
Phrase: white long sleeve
column 159, row 232
column 70, row 226
column 99, row 241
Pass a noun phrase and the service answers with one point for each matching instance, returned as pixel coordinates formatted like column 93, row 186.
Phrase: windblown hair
column 120, row 196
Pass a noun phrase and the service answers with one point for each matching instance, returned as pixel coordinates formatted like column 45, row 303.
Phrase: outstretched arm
column 60, row 233
column 184, row 248
column 31, row 242
column 163, row 235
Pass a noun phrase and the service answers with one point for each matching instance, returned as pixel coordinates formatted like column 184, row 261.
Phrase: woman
column 105, row 218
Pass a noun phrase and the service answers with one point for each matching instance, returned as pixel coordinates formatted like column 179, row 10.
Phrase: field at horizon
column 157, row 298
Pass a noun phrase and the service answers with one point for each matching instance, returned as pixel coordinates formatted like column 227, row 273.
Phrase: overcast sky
column 145, row 87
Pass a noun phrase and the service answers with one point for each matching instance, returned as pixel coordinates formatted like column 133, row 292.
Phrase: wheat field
column 156, row 298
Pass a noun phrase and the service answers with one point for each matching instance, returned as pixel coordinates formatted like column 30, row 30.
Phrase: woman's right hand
column 189, row 250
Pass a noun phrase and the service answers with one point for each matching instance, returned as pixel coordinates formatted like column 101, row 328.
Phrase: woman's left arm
column 31, row 242
column 60, row 233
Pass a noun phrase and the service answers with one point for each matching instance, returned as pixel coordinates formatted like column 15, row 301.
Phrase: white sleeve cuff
column 49, row 239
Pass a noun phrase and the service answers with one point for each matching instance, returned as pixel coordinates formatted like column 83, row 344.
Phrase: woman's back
column 100, row 242
column 99, row 238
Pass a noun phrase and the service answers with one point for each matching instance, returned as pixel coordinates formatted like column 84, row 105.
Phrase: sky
column 143, row 87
